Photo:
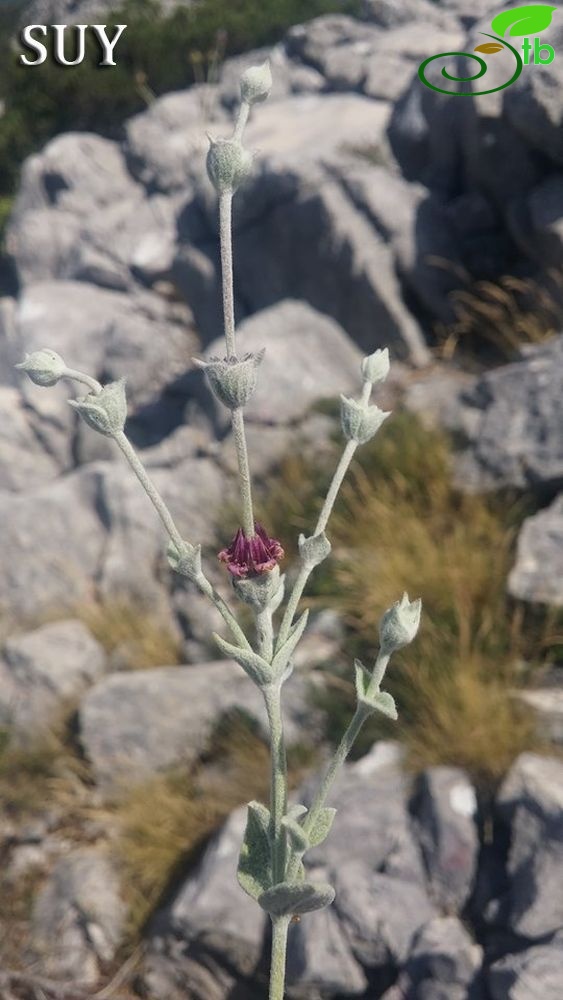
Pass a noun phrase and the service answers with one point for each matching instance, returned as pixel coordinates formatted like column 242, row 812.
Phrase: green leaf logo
column 527, row 20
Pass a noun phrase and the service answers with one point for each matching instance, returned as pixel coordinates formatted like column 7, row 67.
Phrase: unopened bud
column 314, row 550
column 228, row 164
column 399, row 624
column 359, row 421
column 233, row 381
column 44, row 367
column 256, row 83
column 375, row 368
column 106, row 411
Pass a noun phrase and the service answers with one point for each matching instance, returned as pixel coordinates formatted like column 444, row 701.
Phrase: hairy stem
column 226, row 239
column 340, row 755
column 245, row 482
column 241, row 121
column 154, row 496
column 280, row 926
column 278, row 790
column 265, row 634
column 92, row 383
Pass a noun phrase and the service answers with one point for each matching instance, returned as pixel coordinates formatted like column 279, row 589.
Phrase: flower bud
column 375, row 368
column 44, row 367
column 256, row 83
column 399, row 624
column 106, row 411
column 228, row 164
column 185, row 561
column 314, row 550
column 359, row 421
column 232, row 381
column 259, row 591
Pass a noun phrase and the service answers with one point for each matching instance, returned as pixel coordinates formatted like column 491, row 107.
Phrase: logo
column 517, row 22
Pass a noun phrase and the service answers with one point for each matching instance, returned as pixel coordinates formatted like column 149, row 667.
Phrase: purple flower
column 251, row 556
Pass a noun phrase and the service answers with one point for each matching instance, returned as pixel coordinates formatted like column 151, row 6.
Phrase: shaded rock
column 533, row 974
column 133, row 724
column 43, row 669
column 437, row 399
column 537, row 575
column 517, row 438
column 444, row 963
column 63, row 190
column 531, row 804
column 295, row 200
column 78, row 919
column 320, row 962
column 308, row 357
column 379, row 913
column 445, row 809
column 533, row 104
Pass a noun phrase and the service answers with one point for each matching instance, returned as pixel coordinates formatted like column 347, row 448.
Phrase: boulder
column 24, row 461
column 444, row 963
column 136, row 723
column 78, row 919
column 530, row 804
column 380, row 915
column 517, row 440
column 537, row 575
column 547, row 705
column 296, row 200
column 533, row 974
column 44, row 670
column 445, row 810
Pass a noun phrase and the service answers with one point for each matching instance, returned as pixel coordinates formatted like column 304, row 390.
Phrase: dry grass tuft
column 140, row 639
column 503, row 314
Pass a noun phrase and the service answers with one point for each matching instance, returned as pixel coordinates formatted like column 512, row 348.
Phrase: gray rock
column 517, row 438
column 296, row 199
column 445, row 810
column 379, row 913
column 211, row 913
column 533, row 104
column 547, row 705
column 133, row 724
column 537, row 575
column 24, row 461
column 308, row 358
column 10, row 348
column 78, row 919
column 437, row 398
column 65, row 189
column 533, row 974
column 385, row 14
column 530, row 802
column 43, row 670
column 444, row 962
column 320, row 962
column 52, row 542
column 371, row 798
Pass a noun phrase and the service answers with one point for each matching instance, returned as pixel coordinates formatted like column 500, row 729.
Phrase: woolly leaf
column 256, row 668
column 322, row 826
column 286, row 898
column 385, row 703
column 255, row 865
column 298, row 839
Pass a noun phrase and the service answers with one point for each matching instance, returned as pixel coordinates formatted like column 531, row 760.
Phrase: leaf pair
column 257, row 668
column 380, row 701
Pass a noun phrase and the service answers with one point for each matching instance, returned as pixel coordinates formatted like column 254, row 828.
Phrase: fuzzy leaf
column 283, row 655
column 297, row 810
column 286, row 898
column 385, row 703
column 255, row 866
column 323, row 824
column 528, row 20
column 363, row 678
column 256, row 668
column 296, row 835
